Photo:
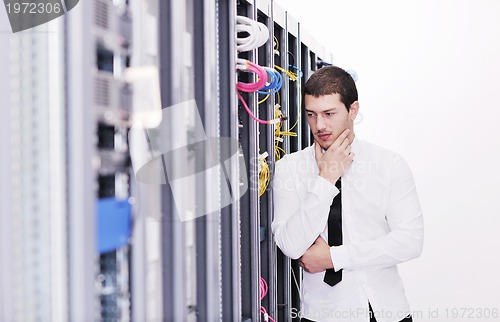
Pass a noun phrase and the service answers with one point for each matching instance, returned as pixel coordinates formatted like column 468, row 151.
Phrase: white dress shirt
column 382, row 226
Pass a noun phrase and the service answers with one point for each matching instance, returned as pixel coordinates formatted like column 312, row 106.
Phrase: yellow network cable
column 278, row 133
column 288, row 73
column 264, row 173
column 300, row 107
column 295, row 78
column 264, row 99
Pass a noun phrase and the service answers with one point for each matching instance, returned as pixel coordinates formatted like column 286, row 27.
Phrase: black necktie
column 334, row 234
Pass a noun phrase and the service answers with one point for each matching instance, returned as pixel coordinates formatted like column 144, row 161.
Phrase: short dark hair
column 332, row 80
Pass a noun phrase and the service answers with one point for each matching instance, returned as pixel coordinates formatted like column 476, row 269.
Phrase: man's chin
column 324, row 145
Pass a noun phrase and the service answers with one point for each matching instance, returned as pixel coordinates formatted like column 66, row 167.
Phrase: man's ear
column 353, row 111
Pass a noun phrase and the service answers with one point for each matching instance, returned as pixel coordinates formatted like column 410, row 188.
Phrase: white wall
column 429, row 83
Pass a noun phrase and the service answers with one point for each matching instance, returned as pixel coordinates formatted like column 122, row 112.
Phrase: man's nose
column 320, row 123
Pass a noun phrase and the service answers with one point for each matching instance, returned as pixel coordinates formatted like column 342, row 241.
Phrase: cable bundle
column 269, row 81
column 264, row 173
column 246, row 65
column 293, row 76
column 262, row 77
column 279, row 134
column 263, row 293
column 258, row 34
column 275, row 81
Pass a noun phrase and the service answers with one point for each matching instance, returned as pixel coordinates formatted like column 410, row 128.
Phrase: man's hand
column 317, row 258
column 334, row 162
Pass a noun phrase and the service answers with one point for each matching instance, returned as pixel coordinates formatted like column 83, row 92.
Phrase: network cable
column 263, row 293
column 273, row 121
column 278, row 133
column 275, row 81
column 264, row 173
column 246, row 65
column 262, row 77
column 258, row 34
column 273, row 86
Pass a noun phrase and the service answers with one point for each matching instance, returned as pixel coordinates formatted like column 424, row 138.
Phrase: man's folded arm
column 299, row 221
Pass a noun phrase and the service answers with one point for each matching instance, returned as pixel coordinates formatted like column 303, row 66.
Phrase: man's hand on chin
column 317, row 258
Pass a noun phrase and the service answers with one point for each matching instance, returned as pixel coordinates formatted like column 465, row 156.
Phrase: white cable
column 241, row 64
column 297, row 284
column 255, row 36
column 258, row 34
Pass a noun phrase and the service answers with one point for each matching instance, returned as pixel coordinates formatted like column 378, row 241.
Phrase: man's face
column 328, row 118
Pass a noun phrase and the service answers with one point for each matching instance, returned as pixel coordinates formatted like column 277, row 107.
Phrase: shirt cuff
column 340, row 257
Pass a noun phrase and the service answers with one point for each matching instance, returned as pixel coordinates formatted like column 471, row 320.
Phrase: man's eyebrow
column 325, row 111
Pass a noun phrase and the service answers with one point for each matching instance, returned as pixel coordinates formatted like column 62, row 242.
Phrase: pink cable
column 253, row 87
column 250, row 112
column 263, row 293
column 263, row 288
column 261, row 80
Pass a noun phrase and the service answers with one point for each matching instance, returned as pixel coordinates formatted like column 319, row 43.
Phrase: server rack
column 34, row 236
column 266, row 57
column 249, row 203
column 292, row 55
column 283, row 285
column 230, row 123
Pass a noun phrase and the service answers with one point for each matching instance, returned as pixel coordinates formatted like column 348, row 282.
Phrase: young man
column 361, row 196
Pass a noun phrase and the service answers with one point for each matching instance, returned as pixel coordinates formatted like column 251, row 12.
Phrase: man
column 375, row 222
